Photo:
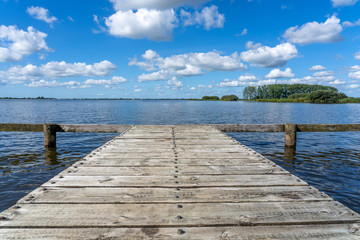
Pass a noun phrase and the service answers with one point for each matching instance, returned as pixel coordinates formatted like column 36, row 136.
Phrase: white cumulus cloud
column 354, row 75
column 209, row 17
column 188, row 64
column 154, row 4
column 355, row 68
column 353, row 86
column 252, row 45
column 156, row 19
column 244, row 32
column 317, row 68
column 243, row 80
column 113, row 81
column 337, row 82
column 20, row 42
column 189, row 70
column 174, row 82
column 357, row 55
column 323, row 74
column 155, row 76
column 351, row 24
column 50, row 84
column 314, row 32
column 340, row 3
column 144, row 23
column 277, row 73
column 41, row 14
column 266, row 56
column 19, row 74
column 322, row 80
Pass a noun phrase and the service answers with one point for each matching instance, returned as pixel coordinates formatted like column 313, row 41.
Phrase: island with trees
column 303, row 93
column 296, row 93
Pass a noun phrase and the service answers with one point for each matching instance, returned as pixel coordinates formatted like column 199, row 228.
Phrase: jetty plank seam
column 190, row 182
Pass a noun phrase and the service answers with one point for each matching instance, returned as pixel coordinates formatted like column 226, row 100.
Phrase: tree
column 249, row 93
column 298, row 95
column 210, row 98
column 325, row 96
column 277, row 91
column 229, row 98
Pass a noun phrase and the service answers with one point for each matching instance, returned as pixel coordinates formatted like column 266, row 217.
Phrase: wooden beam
column 249, row 127
column 21, row 127
column 328, row 127
column 292, row 232
column 96, row 128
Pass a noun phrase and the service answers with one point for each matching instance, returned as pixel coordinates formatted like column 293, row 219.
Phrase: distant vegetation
column 216, row 98
column 26, row 98
column 229, row 98
column 297, row 93
column 349, row 100
column 210, row 98
column 278, row 91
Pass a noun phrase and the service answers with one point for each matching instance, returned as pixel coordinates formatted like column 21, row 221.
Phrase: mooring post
column 290, row 135
column 50, row 135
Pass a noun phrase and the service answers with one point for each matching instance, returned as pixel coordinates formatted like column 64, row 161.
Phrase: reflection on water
column 289, row 152
column 328, row 161
column 51, row 156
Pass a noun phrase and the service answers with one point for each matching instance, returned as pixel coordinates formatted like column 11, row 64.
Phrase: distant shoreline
column 342, row 101
column 128, row 99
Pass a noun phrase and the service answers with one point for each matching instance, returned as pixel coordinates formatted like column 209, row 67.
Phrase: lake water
column 328, row 161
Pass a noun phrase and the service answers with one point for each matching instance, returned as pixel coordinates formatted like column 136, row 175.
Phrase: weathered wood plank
column 131, row 147
column 250, row 127
column 159, row 162
column 199, row 157
column 139, row 155
column 304, row 232
column 174, row 195
column 327, row 127
column 204, row 214
column 86, row 170
column 207, row 155
column 128, row 162
column 236, row 149
column 92, row 128
column 181, row 129
column 21, row 127
column 180, row 181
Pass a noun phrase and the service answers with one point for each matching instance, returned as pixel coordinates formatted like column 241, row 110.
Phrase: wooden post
column 50, row 135
column 290, row 135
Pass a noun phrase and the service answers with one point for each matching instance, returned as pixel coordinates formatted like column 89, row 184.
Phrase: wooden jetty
column 177, row 182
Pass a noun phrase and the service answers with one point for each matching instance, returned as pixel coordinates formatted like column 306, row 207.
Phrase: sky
column 175, row 48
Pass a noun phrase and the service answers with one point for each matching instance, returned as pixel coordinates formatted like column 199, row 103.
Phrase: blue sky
column 175, row 49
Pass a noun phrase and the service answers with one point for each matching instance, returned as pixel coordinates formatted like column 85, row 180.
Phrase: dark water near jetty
column 328, row 161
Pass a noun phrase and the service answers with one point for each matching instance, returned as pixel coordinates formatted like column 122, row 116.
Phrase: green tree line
column 278, row 91
column 296, row 93
column 223, row 98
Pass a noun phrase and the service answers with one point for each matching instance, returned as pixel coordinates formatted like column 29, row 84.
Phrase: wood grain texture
column 303, row 232
column 168, row 195
column 184, row 170
column 151, row 215
column 21, row 127
column 176, row 182
column 170, row 181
